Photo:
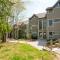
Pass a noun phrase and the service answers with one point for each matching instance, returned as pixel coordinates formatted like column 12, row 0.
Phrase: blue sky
column 35, row 7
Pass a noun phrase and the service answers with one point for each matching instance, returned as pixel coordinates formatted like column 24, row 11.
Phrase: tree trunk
column 4, row 38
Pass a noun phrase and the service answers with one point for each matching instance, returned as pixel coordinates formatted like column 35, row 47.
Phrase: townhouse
column 37, row 25
column 46, row 25
column 53, row 21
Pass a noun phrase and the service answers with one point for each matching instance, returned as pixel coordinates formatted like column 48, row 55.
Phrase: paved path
column 40, row 44
column 57, row 57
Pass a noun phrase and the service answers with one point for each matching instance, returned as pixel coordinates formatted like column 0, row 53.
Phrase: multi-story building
column 46, row 25
column 53, row 21
column 37, row 24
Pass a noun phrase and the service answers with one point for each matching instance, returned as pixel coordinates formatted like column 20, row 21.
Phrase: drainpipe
column 38, row 28
column 42, row 29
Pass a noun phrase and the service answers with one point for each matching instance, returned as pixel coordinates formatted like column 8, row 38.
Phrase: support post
column 38, row 29
column 42, row 29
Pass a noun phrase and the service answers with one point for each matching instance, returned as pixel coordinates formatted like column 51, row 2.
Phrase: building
column 53, row 21
column 46, row 25
column 20, row 30
column 37, row 24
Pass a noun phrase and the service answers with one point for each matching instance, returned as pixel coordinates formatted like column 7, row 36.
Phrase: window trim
column 51, row 23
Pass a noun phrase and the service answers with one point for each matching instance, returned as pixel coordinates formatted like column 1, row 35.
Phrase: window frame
column 50, row 24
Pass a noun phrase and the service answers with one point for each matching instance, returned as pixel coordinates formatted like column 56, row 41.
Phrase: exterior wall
column 42, row 28
column 33, row 25
column 42, row 25
column 55, row 27
column 54, row 14
column 38, row 25
column 57, row 30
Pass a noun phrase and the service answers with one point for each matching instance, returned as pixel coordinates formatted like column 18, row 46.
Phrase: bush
column 53, row 41
column 48, row 43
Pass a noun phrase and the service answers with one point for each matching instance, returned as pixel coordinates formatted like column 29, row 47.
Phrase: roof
column 56, row 3
column 41, row 15
column 49, row 8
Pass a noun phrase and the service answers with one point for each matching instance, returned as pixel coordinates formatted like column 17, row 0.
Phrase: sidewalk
column 39, row 44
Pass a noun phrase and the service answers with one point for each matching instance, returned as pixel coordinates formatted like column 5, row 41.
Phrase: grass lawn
column 17, row 51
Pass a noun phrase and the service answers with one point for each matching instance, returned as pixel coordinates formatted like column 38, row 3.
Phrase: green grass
column 17, row 51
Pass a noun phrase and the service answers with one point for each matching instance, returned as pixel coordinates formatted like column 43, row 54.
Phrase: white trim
column 38, row 29
column 47, row 29
column 42, row 28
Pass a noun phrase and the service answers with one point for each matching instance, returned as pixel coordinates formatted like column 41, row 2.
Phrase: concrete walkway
column 40, row 44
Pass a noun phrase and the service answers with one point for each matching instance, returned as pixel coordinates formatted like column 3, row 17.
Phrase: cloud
column 37, row 6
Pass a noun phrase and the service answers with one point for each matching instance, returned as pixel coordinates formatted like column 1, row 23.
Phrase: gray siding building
column 46, row 25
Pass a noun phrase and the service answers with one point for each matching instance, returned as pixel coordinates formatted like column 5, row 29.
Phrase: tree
column 17, row 8
column 22, row 31
column 5, row 9
column 5, row 12
column 4, row 28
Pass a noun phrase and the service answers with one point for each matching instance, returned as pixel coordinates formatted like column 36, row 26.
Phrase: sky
column 35, row 7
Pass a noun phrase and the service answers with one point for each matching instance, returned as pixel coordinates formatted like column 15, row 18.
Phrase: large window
column 51, row 33
column 44, row 24
column 50, row 22
column 40, row 24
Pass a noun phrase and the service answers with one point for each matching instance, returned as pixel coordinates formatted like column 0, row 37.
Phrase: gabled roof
column 56, row 3
column 34, row 15
column 41, row 15
column 49, row 8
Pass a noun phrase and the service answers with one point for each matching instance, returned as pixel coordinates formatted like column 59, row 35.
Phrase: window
column 50, row 33
column 57, row 20
column 50, row 22
column 59, row 4
column 50, row 11
column 44, row 24
column 40, row 24
column 40, row 34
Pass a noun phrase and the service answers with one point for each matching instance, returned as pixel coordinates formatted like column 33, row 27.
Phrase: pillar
column 38, row 29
